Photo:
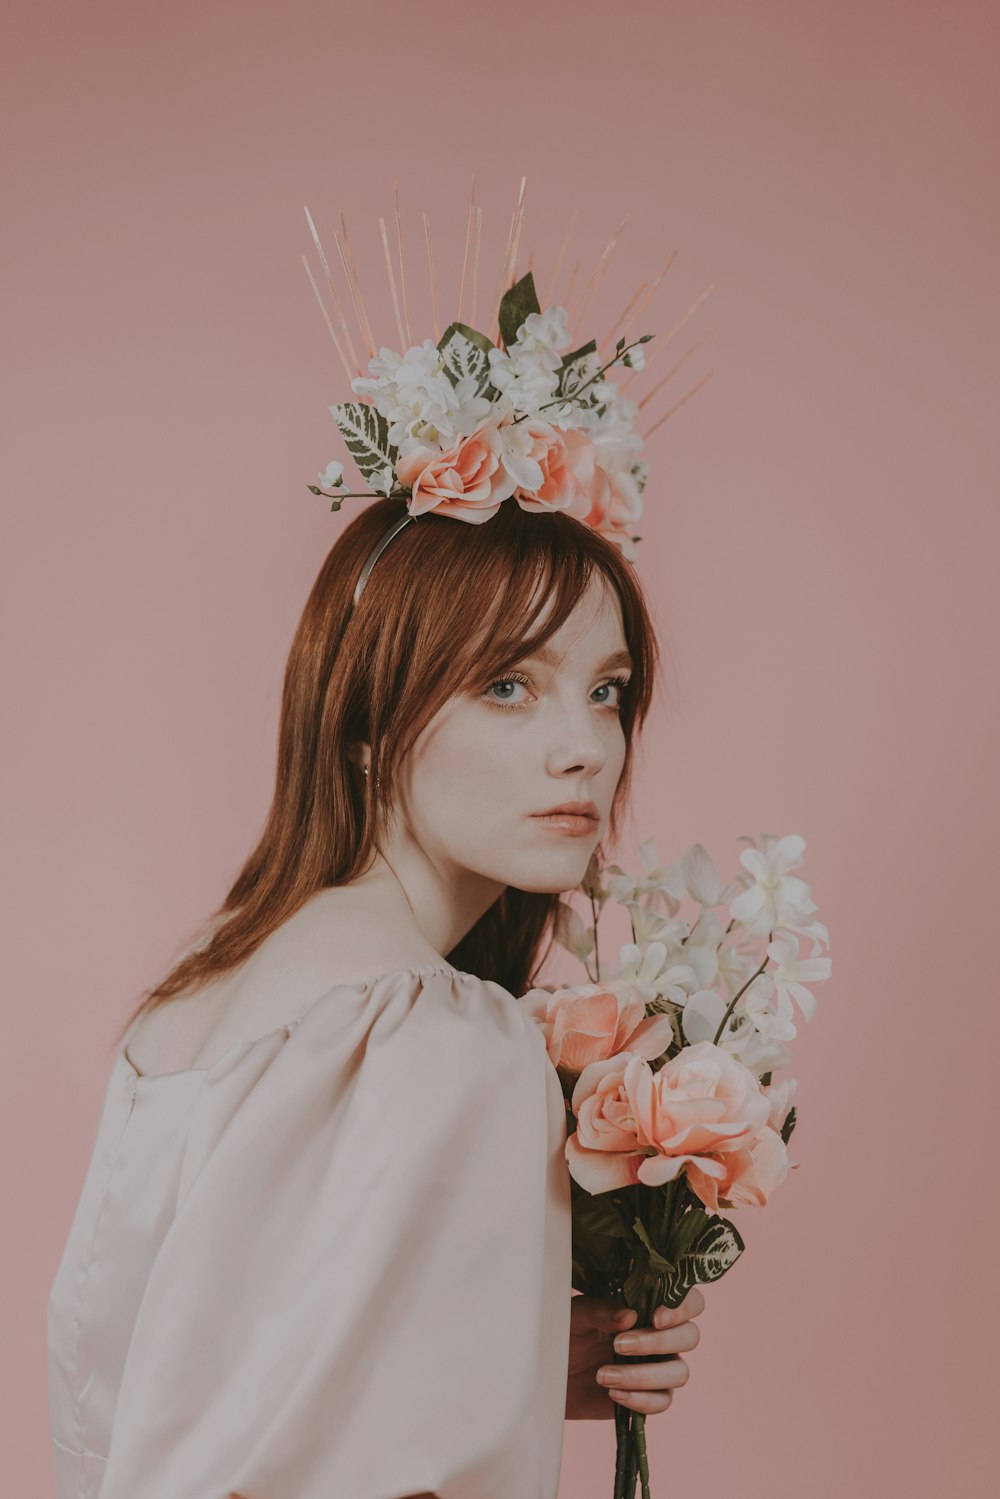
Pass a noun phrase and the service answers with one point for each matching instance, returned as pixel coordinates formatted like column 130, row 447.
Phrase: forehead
column 593, row 628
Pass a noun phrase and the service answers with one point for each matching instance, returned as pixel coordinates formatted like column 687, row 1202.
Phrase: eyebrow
column 548, row 655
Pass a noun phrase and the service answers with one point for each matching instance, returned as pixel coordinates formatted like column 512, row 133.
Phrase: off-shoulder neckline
column 289, row 1025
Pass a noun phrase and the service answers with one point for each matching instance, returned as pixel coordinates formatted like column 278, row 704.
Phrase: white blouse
column 334, row 1265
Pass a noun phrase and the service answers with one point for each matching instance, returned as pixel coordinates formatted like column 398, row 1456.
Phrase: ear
column 360, row 754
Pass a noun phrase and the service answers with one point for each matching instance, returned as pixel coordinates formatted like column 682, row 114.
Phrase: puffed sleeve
column 362, row 1292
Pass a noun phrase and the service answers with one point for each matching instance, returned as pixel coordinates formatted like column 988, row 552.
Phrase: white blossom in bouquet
column 695, row 875
column 773, row 896
column 735, row 967
column 780, row 1095
column 651, row 888
column 571, row 933
column 791, row 973
column 652, row 972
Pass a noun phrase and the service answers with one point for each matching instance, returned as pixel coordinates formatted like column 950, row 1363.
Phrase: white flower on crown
column 527, row 373
column 610, row 425
column 418, row 400
column 332, row 474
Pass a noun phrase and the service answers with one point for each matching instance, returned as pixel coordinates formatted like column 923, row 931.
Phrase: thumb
column 600, row 1314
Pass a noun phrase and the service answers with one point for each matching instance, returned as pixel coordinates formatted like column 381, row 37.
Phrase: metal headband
column 379, row 549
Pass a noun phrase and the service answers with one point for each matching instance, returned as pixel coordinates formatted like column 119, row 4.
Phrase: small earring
column 365, row 768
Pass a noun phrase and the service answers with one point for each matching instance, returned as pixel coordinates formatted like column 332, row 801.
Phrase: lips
column 571, row 809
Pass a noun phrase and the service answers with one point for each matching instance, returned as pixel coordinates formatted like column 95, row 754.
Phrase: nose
column 578, row 745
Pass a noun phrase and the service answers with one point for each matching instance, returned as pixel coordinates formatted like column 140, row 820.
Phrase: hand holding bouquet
column 667, row 1065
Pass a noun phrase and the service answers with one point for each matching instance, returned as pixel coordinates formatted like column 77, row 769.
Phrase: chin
column 557, row 873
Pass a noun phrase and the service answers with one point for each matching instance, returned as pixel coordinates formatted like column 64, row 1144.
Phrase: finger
column 647, row 1402
column 647, row 1342
column 667, row 1375
column 692, row 1306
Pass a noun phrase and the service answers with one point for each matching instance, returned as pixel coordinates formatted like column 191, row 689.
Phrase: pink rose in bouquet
column 590, row 1022
column 703, row 1113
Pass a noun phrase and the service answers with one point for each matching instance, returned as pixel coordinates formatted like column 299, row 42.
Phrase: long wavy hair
column 447, row 605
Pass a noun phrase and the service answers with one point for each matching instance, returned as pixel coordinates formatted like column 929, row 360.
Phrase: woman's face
column 544, row 733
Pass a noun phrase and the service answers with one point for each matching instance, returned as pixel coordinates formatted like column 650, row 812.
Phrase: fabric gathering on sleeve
column 365, row 1288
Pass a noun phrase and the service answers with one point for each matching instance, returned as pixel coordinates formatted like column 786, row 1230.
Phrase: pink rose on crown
column 591, row 1022
column 549, row 481
column 702, row 1113
column 607, row 493
column 467, row 481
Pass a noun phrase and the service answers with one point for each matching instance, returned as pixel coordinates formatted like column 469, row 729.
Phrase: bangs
column 536, row 587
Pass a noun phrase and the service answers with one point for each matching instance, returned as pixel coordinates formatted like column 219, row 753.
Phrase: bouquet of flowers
column 459, row 426
column 667, row 1064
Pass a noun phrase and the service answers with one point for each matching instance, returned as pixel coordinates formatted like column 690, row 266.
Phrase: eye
column 619, row 683
column 513, row 678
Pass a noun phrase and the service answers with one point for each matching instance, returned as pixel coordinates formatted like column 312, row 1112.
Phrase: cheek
column 461, row 764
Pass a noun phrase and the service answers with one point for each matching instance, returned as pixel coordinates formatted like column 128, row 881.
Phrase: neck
column 442, row 904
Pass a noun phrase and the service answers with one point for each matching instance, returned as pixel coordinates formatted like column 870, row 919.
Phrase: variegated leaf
column 464, row 352
column 366, row 433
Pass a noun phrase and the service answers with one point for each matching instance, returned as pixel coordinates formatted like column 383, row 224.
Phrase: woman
column 323, row 1245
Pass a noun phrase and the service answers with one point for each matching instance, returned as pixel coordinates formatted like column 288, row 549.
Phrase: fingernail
column 625, row 1341
column 624, row 1318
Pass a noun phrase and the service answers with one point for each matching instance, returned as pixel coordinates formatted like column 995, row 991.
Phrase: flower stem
column 621, row 1447
column 574, row 394
column 739, row 993
column 597, row 956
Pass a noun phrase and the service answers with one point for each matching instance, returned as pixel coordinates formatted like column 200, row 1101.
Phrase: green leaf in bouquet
column 715, row 1248
column 657, row 1261
column 788, row 1126
column 366, row 433
column 600, row 1237
column 465, row 352
column 595, row 1215
column 515, row 305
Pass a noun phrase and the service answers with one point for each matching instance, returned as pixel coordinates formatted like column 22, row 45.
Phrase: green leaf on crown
column 788, row 1126
column 472, row 334
column 588, row 348
column 515, row 305
column 366, row 433
column 465, row 352
column 577, row 369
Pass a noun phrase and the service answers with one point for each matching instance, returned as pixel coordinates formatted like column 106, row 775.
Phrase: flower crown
column 458, row 426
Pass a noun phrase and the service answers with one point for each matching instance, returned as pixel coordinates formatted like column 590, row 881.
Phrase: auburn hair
column 448, row 604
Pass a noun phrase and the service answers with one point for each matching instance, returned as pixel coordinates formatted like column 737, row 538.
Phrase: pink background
column 821, row 553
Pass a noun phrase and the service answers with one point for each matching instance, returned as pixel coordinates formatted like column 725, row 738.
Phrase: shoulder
column 337, row 940
column 343, row 934
column 409, row 1034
